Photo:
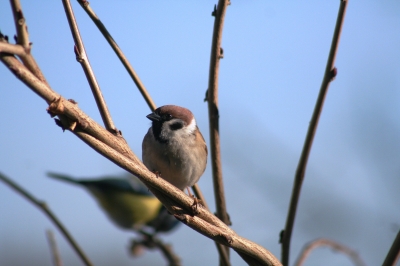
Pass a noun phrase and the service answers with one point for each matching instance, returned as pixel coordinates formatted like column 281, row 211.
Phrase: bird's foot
column 196, row 203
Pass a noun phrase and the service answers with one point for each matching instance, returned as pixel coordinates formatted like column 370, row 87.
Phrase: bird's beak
column 154, row 117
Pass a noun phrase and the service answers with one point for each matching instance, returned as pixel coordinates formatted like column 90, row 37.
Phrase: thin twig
column 85, row 5
column 309, row 247
column 394, row 253
column 43, row 206
column 23, row 40
column 213, row 114
column 54, row 249
column 330, row 73
column 83, row 59
column 212, row 98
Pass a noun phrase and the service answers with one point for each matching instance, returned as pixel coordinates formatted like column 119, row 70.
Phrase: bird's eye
column 167, row 117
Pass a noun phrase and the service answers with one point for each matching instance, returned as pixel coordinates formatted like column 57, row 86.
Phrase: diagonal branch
column 309, row 247
column 173, row 198
column 22, row 39
column 330, row 73
column 83, row 59
column 393, row 255
column 43, row 206
column 85, row 5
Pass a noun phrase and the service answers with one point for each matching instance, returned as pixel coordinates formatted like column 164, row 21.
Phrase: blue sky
column 274, row 58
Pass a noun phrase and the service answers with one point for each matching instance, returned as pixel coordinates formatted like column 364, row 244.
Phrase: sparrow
column 127, row 202
column 174, row 148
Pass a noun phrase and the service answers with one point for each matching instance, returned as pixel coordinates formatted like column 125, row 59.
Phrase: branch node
column 56, row 107
column 59, row 123
column 78, row 54
column 281, row 234
column 83, row 123
column 221, row 53
column 85, row 3
column 227, row 238
column 181, row 217
column 3, row 38
column 214, row 13
column 206, row 96
column 20, row 17
column 333, row 73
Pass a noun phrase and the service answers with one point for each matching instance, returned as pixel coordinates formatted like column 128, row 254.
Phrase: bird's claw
column 195, row 205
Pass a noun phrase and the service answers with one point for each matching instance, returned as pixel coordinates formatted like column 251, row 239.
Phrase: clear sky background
column 275, row 54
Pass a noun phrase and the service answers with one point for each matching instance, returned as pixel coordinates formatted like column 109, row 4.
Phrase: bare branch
column 53, row 247
column 15, row 49
column 85, row 5
column 83, row 59
column 42, row 206
column 23, row 40
column 213, row 114
column 394, row 253
column 309, row 247
column 330, row 73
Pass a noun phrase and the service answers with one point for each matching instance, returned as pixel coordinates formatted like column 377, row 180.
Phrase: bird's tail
column 63, row 177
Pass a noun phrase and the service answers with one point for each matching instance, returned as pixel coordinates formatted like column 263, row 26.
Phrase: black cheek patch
column 177, row 125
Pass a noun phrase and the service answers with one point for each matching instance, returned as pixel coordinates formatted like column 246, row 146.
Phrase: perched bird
column 174, row 146
column 127, row 202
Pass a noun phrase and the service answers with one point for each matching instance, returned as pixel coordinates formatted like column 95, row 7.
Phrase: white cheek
column 189, row 129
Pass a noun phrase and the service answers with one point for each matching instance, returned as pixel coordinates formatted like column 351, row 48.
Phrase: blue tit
column 127, row 202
